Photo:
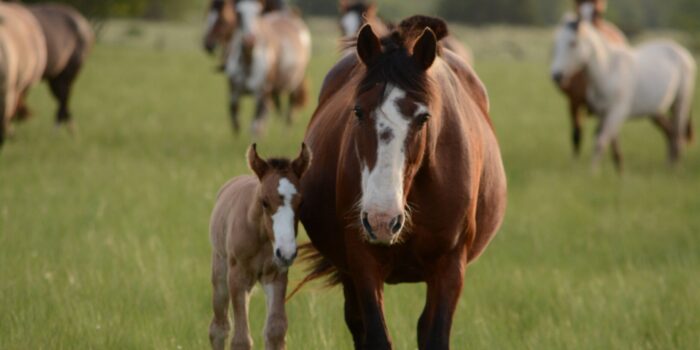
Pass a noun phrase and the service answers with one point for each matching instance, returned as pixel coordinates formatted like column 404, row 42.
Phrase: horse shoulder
column 612, row 33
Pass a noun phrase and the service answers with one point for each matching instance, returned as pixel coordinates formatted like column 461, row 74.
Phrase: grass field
column 104, row 243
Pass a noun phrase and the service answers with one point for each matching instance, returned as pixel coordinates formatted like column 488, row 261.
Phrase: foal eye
column 358, row 113
column 423, row 118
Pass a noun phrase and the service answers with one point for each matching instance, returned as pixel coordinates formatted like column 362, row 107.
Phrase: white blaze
column 283, row 220
column 249, row 11
column 382, row 186
column 351, row 23
column 212, row 17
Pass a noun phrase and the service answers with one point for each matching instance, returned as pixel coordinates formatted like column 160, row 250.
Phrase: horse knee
column 218, row 331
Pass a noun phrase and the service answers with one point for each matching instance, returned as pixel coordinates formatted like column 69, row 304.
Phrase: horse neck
column 598, row 65
column 255, row 212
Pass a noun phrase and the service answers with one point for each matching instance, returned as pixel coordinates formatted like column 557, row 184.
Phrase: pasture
column 104, row 236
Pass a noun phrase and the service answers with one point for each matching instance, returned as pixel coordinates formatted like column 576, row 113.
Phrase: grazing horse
column 407, row 184
column 268, row 56
column 355, row 14
column 575, row 88
column 253, row 230
column 649, row 80
column 69, row 38
column 22, row 60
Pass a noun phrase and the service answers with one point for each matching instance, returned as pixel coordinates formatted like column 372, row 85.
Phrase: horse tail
column 300, row 95
column 86, row 35
column 319, row 267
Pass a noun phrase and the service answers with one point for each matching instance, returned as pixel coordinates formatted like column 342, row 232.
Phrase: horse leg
column 239, row 284
column 276, row 323
column 233, row 111
column 682, row 127
column 369, row 290
column 661, row 122
column 616, row 155
column 608, row 129
column 23, row 112
column 61, row 88
column 260, row 115
column 353, row 314
column 576, row 122
column 297, row 100
column 444, row 288
column 219, row 327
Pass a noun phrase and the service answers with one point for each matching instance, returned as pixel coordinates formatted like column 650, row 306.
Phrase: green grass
column 104, row 243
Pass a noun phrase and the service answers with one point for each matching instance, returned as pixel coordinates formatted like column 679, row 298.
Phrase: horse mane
column 279, row 163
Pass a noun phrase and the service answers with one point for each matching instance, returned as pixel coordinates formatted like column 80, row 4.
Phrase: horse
column 253, row 229
column 575, row 89
column 407, row 183
column 221, row 22
column 355, row 14
column 23, row 60
column 268, row 56
column 649, row 80
column 69, row 39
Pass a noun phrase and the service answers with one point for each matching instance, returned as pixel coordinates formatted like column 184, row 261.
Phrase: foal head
column 279, row 199
column 392, row 109
column 221, row 21
column 572, row 50
column 354, row 15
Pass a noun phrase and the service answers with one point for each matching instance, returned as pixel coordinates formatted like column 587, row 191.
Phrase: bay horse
column 221, row 22
column 69, row 38
column 268, row 56
column 575, row 88
column 253, row 231
column 649, row 80
column 22, row 61
column 407, row 183
column 356, row 13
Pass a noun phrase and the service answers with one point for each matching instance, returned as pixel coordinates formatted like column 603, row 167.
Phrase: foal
column 252, row 230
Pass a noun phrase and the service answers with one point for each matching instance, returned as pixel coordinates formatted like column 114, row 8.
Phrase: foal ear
column 368, row 46
column 301, row 164
column 425, row 49
column 257, row 165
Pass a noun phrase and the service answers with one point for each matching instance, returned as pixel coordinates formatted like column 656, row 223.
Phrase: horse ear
column 368, row 46
column 343, row 5
column 257, row 165
column 425, row 49
column 301, row 164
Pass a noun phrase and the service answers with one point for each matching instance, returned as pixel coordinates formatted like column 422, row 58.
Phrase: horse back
column 68, row 36
column 231, row 209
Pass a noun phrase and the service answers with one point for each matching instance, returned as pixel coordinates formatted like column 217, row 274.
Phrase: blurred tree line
column 150, row 9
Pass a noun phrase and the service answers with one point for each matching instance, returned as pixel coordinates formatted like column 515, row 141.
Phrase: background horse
column 69, row 39
column 356, row 13
column 253, row 230
column 407, row 184
column 268, row 56
column 575, row 88
column 221, row 22
column 646, row 81
column 22, row 60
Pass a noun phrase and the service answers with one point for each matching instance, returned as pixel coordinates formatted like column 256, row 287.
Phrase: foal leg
column 240, row 282
column 444, row 289
column 275, row 287
column 219, row 327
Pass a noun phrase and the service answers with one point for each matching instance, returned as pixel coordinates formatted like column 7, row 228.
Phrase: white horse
column 649, row 80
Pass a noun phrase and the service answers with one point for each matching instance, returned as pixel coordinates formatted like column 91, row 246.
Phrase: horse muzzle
column 284, row 259
column 382, row 228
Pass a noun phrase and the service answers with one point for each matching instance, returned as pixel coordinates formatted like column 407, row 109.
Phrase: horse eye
column 358, row 113
column 423, row 118
column 265, row 204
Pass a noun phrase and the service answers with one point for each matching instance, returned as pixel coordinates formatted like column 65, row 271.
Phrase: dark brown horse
column 407, row 184
column 69, row 38
column 356, row 13
column 576, row 88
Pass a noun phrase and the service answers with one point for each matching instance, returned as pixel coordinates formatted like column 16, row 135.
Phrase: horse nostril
column 367, row 226
column 557, row 77
column 396, row 224
column 278, row 253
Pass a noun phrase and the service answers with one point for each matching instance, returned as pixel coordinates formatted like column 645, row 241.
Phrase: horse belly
column 658, row 82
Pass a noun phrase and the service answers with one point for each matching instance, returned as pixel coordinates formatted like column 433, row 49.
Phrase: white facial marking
column 212, row 17
column 382, row 187
column 350, row 22
column 565, row 59
column 249, row 11
column 283, row 220
column 587, row 11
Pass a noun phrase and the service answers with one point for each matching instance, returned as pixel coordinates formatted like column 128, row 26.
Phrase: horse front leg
column 369, row 289
column 353, row 314
column 219, row 326
column 608, row 129
column 261, row 108
column 577, row 125
column 275, row 287
column 233, row 106
column 240, row 283
column 444, row 288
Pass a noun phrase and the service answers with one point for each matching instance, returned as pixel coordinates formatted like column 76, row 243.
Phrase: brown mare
column 253, row 230
column 407, row 183
column 221, row 22
column 22, row 61
column 268, row 57
column 69, row 38
column 576, row 88
column 356, row 13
